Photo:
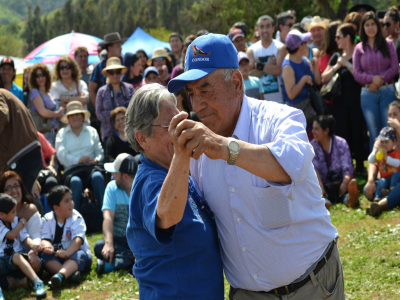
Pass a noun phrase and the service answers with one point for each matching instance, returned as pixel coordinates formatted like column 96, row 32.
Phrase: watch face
column 234, row 146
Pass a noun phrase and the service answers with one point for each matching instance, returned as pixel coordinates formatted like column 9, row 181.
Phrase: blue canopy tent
column 140, row 39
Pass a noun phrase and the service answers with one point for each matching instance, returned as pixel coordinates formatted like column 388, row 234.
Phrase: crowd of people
column 128, row 133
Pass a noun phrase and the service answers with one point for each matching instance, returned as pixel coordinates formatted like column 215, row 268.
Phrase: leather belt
column 287, row 289
column 386, row 83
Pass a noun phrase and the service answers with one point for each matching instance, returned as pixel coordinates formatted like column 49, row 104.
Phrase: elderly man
column 266, row 57
column 317, row 28
column 252, row 163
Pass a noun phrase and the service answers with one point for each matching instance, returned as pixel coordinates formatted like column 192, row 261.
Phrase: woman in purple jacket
column 375, row 65
column 333, row 164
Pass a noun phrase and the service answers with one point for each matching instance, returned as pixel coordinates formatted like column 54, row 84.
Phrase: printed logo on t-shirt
column 68, row 234
column 194, row 208
column 269, row 82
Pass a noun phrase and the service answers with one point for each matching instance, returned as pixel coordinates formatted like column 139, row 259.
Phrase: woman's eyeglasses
column 9, row 188
column 66, row 67
column 338, row 37
column 387, row 24
column 158, row 58
column 112, row 72
column 162, row 126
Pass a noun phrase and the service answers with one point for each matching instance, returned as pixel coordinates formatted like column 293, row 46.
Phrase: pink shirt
column 368, row 62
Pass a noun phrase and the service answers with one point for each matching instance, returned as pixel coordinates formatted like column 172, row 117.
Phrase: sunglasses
column 387, row 24
column 112, row 72
column 41, row 75
column 66, row 67
column 290, row 25
column 159, row 58
column 338, row 37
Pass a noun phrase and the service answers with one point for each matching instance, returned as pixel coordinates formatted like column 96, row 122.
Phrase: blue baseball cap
column 204, row 55
column 150, row 69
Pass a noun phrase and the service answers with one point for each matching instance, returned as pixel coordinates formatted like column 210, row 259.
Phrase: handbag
column 43, row 125
column 317, row 102
column 333, row 88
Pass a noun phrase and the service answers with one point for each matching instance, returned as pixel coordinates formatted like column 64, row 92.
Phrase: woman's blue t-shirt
column 300, row 70
column 182, row 262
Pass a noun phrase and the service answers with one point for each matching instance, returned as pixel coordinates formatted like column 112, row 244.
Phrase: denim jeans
column 123, row 256
column 375, row 109
column 393, row 199
column 98, row 187
column 386, row 183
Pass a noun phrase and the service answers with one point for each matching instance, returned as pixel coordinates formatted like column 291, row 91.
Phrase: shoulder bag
column 316, row 100
column 42, row 124
column 333, row 88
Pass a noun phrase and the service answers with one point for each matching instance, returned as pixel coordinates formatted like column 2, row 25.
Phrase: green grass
column 369, row 248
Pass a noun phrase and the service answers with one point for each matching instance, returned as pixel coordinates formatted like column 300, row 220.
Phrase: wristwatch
column 22, row 222
column 234, row 149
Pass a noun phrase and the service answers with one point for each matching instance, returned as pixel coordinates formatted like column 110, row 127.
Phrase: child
column 12, row 234
column 387, row 164
column 252, row 84
column 151, row 75
column 66, row 251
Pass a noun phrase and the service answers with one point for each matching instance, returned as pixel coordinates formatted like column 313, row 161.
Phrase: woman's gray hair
column 143, row 109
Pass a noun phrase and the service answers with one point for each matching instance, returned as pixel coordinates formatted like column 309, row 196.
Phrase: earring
column 147, row 148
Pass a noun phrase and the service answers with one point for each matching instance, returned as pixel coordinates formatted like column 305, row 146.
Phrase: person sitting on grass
column 12, row 234
column 388, row 160
column 66, row 250
column 252, row 84
column 113, row 251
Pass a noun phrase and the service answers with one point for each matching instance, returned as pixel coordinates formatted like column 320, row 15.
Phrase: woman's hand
column 52, row 170
column 172, row 133
column 378, row 80
column 36, row 190
column 372, row 88
column 395, row 124
column 60, row 112
column 307, row 79
column 34, row 261
column 343, row 62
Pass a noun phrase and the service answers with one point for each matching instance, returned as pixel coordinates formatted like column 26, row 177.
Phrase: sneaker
column 352, row 201
column 100, row 266
column 1, row 294
column 56, row 280
column 40, row 290
column 76, row 277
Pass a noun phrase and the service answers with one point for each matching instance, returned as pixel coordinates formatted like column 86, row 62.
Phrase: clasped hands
column 192, row 139
column 377, row 82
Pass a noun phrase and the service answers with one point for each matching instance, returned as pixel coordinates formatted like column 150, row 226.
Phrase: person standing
column 284, row 22
column 375, row 66
column 134, row 72
column 236, row 35
column 317, row 28
column 7, row 72
column 116, row 93
column 113, row 251
column 266, row 57
column 253, row 163
column 176, row 43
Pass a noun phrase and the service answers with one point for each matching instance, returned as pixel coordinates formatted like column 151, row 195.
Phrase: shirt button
column 243, row 249
column 233, row 190
column 238, row 219
column 255, row 276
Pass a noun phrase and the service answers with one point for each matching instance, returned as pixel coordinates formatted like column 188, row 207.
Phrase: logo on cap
column 197, row 51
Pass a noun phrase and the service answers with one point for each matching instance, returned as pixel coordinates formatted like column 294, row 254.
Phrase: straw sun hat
column 158, row 52
column 75, row 107
column 317, row 22
column 114, row 63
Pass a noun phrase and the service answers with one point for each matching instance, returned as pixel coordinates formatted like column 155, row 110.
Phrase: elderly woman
column 171, row 230
column 333, row 164
column 11, row 184
column 42, row 104
column 118, row 143
column 112, row 95
column 163, row 63
column 79, row 150
column 68, row 85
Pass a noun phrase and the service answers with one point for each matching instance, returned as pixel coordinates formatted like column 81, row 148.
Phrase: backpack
column 91, row 212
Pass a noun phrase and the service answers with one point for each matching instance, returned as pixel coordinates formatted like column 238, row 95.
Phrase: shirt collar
column 151, row 164
column 242, row 128
column 68, row 128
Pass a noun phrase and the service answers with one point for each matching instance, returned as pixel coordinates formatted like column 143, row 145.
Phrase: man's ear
column 237, row 81
column 141, row 139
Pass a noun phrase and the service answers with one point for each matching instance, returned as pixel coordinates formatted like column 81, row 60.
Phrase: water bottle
column 57, row 104
column 379, row 155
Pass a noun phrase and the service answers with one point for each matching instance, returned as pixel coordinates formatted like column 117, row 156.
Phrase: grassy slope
column 368, row 246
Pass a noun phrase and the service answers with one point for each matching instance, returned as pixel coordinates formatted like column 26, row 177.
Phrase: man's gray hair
column 227, row 73
column 143, row 109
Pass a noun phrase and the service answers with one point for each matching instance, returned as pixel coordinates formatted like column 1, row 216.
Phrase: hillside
column 17, row 10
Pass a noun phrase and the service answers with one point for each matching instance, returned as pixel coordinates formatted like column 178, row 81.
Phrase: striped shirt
column 270, row 233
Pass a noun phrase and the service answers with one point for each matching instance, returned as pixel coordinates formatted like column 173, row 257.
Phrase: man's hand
column 108, row 252
column 195, row 138
column 49, row 250
column 85, row 160
column 62, row 254
column 36, row 248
